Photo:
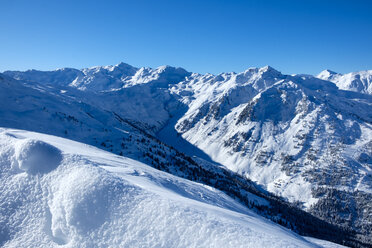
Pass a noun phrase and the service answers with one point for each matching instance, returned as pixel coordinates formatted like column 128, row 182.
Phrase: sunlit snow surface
column 324, row 243
column 73, row 195
column 355, row 81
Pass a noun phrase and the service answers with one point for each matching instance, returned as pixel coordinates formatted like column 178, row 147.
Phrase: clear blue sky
column 299, row 36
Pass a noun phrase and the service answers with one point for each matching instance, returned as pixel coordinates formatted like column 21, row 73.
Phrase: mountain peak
column 123, row 65
column 327, row 74
column 169, row 68
column 330, row 71
column 269, row 69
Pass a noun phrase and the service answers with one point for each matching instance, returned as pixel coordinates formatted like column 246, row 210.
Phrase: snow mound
column 36, row 156
column 81, row 202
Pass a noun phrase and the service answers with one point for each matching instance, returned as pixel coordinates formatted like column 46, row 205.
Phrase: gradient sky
column 299, row 36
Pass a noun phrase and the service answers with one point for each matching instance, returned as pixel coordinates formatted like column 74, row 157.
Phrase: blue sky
column 201, row 36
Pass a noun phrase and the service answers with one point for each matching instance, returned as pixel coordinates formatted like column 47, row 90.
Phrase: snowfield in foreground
column 56, row 192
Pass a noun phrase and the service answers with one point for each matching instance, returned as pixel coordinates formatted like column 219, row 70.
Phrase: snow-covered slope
column 299, row 137
column 354, row 81
column 281, row 131
column 51, row 110
column 60, row 193
column 140, row 95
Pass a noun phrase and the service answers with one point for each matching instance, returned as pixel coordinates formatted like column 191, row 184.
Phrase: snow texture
column 97, row 199
column 35, row 156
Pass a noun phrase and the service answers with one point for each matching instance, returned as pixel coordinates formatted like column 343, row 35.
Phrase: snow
column 35, row 156
column 285, row 119
column 355, row 81
column 328, row 75
column 290, row 134
column 97, row 199
column 323, row 243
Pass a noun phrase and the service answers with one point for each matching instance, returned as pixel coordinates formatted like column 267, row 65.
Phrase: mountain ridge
column 297, row 136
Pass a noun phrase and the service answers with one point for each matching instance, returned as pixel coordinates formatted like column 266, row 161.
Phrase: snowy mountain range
column 290, row 142
column 355, row 81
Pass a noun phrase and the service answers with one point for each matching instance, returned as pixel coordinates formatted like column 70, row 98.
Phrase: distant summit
column 328, row 75
column 355, row 81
